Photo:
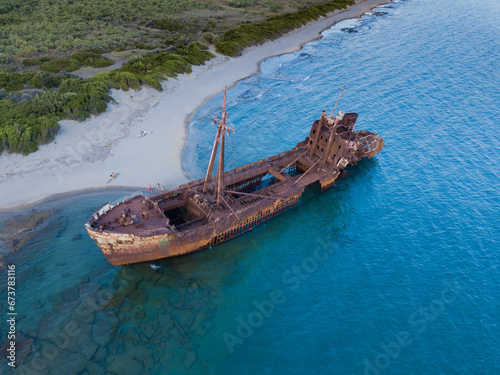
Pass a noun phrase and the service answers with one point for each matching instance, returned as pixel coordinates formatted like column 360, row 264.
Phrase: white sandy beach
column 85, row 153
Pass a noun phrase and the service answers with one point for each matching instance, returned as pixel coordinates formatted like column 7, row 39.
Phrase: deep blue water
column 393, row 271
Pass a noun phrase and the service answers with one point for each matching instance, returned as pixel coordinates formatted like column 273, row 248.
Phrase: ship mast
column 220, row 166
column 222, row 128
column 212, row 160
column 338, row 118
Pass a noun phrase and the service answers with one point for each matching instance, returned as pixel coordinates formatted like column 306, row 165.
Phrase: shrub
column 31, row 62
column 127, row 80
column 5, row 58
column 15, row 81
column 165, row 25
column 242, row 3
column 61, row 65
column 46, row 81
column 92, row 59
column 209, row 37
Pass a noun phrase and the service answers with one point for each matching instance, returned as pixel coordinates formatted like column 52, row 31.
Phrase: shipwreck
column 203, row 213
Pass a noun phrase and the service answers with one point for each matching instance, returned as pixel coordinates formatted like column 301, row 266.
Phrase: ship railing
column 367, row 144
column 110, row 205
column 239, row 169
column 125, row 198
column 98, row 213
column 260, row 162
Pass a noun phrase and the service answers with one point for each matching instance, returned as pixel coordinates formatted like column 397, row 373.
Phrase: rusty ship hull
column 219, row 207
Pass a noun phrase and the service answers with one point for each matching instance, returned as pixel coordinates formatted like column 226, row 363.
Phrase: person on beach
column 159, row 187
column 149, row 189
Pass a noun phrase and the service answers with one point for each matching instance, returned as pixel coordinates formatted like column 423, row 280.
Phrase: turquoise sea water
column 393, row 271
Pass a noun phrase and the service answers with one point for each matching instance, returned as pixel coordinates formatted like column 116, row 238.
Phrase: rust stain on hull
column 217, row 208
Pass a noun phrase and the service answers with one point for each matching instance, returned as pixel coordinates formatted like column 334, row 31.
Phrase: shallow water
column 393, row 271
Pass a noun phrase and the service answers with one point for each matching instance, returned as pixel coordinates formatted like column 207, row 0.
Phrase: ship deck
column 136, row 215
column 146, row 215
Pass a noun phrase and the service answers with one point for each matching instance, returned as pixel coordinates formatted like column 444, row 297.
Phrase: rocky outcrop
column 18, row 230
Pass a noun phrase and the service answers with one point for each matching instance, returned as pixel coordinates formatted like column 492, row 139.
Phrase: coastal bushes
column 92, row 59
column 74, row 62
column 31, row 62
column 235, row 40
column 60, row 65
column 166, row 25
column 27, row 124
column 22, row 131
column 15, row 81
column 20, row 81
column 274, row 6
column 155, row 67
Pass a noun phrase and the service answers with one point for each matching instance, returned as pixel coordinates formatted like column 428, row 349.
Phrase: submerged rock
column 23, row 348
column 49, row 324
column 19, row 224
column 189, row 360
column 139, row 351
column 94, row 368
column 70, row 294
column 28, row 369
column 89, row 288
column 101, row 354
column 125, row 364
column 82, row 344
column 101, row 329
column 67, row 362
column 19, row 229
column 165, row 321
column 149, row 331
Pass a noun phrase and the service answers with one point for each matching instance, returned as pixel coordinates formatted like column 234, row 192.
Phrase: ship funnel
column 349, row 120
column 340, row 115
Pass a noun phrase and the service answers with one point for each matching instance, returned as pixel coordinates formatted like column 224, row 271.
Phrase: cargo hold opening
column 182, row 214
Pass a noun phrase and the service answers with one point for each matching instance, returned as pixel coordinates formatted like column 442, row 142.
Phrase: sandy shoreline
column 85, row 153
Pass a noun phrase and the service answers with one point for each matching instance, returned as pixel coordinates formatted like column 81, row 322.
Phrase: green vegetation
column 44, row 40
column 166, row 25
column 60, row 65
column 235, row 40
column 92, row 59
column 20, row 81
column 72, row 63
column 274, row 6
column 31, row 62
column 57, row 26
column 26, row 124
